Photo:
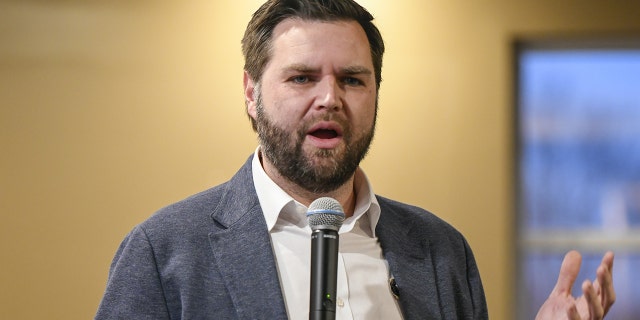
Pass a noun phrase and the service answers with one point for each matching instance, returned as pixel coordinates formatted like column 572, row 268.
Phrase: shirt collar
column 366, row 202
column 276, row 203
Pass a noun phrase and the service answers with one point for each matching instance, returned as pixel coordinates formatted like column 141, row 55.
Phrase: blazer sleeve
column 478, row 299
column 134, row 289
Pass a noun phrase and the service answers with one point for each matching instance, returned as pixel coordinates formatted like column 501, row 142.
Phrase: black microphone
column 325, row 217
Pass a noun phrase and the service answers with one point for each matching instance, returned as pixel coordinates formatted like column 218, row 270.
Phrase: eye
column 351, row 81
column 299, row 79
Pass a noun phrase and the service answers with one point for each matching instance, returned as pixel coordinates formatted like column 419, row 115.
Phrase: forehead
column 316, row 42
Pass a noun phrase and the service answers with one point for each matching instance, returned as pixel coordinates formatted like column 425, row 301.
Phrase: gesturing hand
column 597, row 298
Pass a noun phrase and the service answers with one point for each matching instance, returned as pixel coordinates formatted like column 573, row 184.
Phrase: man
column 241, row 250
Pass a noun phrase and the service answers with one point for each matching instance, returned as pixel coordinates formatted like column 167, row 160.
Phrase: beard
column 318, row 171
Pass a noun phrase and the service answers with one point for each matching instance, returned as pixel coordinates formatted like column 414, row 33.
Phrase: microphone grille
column 325, row 213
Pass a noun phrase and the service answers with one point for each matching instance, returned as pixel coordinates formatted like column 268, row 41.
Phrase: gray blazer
column 210, row 257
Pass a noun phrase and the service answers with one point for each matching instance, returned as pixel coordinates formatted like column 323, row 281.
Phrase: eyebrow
column 356, row 70
column 351, row 70
column 299, row 67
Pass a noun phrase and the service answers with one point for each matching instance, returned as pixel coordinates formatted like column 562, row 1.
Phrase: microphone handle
column 324, row 274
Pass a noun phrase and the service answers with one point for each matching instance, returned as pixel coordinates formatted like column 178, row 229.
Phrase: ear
column 249, row 95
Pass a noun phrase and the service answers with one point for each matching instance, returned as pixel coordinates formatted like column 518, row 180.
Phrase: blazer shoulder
column 197, row 206
column 411, row 216
column 235, row 195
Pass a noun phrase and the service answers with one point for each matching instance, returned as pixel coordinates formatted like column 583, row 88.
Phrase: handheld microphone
column 325, row 216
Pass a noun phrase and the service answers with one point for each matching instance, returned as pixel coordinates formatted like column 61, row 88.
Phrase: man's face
column 316, row 105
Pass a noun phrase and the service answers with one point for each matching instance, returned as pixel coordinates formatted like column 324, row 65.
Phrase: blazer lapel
column 410, row 265
column 241, row 247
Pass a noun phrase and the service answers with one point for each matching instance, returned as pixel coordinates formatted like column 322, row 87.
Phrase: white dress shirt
column 363, row 290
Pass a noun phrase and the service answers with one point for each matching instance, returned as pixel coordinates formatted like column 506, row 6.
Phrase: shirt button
column 340, row 303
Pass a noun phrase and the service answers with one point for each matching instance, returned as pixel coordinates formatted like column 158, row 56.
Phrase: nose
column 329, row 94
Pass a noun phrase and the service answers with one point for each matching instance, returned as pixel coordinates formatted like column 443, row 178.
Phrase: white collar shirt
column 363, row 290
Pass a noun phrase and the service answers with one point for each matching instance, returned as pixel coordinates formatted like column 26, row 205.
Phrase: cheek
column 287, row 110
column 283, row 116
column 366, row 114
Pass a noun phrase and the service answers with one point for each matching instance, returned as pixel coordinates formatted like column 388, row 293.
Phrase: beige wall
column 112, row 109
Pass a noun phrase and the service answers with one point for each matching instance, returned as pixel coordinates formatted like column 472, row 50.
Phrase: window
column 578, row 166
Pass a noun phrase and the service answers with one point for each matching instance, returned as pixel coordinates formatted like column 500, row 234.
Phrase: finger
column 568, row 273
column 595, row 307
column 572, row 313
column 605, row 282
column 605, row 271
column 608, row 260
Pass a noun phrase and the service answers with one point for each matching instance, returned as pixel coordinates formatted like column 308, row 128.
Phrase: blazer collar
column 409, row 263
column 241, row 247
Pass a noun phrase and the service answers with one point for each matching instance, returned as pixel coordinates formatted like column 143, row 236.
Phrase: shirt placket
column 343, row 308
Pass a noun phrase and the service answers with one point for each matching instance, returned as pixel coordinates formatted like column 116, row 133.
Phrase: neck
column 345, row 194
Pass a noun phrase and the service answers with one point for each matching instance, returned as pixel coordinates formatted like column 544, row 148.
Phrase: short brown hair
column 256, row 43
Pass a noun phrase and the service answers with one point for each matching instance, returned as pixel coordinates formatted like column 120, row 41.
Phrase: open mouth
column 324, row 133
column 325, row 130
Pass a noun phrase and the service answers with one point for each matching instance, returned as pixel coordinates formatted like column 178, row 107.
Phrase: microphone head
column 325, row 213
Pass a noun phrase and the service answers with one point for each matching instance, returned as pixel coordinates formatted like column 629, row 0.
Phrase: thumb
column 568, row 273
